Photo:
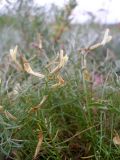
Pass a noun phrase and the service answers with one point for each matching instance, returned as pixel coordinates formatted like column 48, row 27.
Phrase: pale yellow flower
column 60, row 83
column 62, row 61
column 38, row 147
column 29, row 70
column 106, row 39
column 13, row 54
column 9, row 115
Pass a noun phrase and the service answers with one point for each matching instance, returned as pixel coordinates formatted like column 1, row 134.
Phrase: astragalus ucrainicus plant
column 51, row 80
column 59, row 106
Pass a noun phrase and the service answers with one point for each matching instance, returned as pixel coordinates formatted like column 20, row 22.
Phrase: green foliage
column 79, row 118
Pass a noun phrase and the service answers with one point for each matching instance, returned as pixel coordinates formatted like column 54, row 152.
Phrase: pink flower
column 97, row 79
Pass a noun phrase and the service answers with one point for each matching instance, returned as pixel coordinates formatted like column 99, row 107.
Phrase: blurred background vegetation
column 21, row 21
column 24, row 24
